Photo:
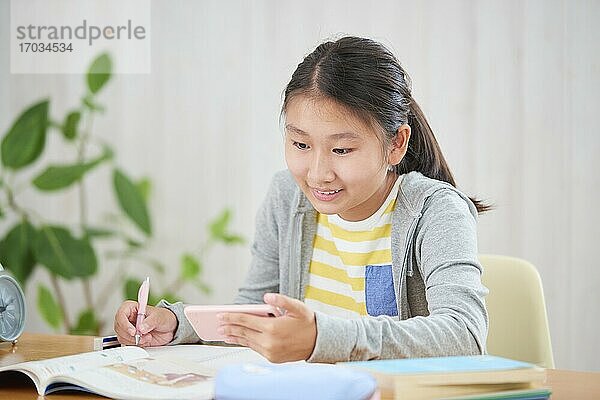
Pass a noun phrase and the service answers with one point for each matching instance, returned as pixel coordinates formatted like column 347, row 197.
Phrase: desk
column 565, row 384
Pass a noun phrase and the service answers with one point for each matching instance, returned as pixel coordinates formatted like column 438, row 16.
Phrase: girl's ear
column 399, row 145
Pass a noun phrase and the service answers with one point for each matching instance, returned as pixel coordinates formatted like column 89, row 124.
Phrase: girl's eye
column 341, row 152
column 301, row 146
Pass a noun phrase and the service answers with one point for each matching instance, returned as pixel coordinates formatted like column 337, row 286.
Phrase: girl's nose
column 320, row 171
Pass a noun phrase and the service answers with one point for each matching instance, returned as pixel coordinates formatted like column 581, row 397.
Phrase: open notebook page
column 211, row 358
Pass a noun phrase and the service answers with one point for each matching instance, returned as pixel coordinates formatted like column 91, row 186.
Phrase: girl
column 364, row 240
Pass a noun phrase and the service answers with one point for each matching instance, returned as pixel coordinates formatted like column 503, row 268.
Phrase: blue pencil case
column 293, row 381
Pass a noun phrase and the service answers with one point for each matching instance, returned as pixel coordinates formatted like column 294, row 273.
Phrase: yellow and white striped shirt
column 350, row 268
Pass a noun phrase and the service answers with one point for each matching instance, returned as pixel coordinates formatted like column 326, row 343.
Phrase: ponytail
column 425, row 155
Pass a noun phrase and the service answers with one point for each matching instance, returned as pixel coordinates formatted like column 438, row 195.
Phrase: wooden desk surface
column 565, row 384
column 31, row 347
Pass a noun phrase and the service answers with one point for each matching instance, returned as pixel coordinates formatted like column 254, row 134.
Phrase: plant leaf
column 131, row 201
column 64, row 254
column 232, row 239
column 190, row 267
column 170, row 297
column 133, row 244
column 219, row 229
column 218, row 226
column 153, row 300
column 131, row 289
column 88, row 102
column 26, row 139
column 87, row 324
column 48, row 307
column 92, row 232
column 99, row 72
column 16, row 253
column 57, row 177
column 69, row 129
column 144, row 186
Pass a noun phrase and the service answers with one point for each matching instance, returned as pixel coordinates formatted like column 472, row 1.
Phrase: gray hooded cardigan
column 436, row 274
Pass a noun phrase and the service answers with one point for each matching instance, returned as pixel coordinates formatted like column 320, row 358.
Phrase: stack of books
column 466, row 377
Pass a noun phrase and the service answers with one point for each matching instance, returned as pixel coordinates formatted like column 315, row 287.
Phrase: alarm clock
column 12, row 308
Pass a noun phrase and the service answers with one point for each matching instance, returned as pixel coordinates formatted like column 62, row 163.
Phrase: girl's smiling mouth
column 325, row 195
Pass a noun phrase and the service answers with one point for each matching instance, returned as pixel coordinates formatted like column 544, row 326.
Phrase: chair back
column 517, row 311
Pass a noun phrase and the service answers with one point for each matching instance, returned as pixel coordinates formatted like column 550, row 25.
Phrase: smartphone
column 204, row 318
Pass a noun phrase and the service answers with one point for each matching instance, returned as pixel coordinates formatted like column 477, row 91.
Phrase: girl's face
column 336, row 158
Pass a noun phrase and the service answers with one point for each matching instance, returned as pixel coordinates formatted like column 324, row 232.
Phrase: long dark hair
column 366, row 78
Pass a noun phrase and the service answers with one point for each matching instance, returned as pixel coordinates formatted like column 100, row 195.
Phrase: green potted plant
column 71, row 253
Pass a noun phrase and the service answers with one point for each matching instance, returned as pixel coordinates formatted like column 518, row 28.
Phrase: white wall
column 511, row 89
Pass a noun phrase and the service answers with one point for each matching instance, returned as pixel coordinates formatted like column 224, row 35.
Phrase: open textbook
column 170, row 372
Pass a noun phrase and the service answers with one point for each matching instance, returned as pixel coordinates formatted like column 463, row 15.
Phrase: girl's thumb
column 289, row 305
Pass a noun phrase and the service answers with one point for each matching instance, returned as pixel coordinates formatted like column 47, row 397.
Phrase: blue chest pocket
column 380, row 297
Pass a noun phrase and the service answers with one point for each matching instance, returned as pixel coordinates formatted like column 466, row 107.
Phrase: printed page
column 211, row 358
column 44, row 370
column 144, row 378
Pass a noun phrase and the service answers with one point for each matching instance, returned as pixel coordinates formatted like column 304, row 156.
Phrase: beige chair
column 517, row 311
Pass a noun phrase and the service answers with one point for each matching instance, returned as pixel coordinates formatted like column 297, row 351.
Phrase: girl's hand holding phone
column 290, row 337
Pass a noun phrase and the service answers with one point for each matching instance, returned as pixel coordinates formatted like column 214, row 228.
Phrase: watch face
column 12, row 309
